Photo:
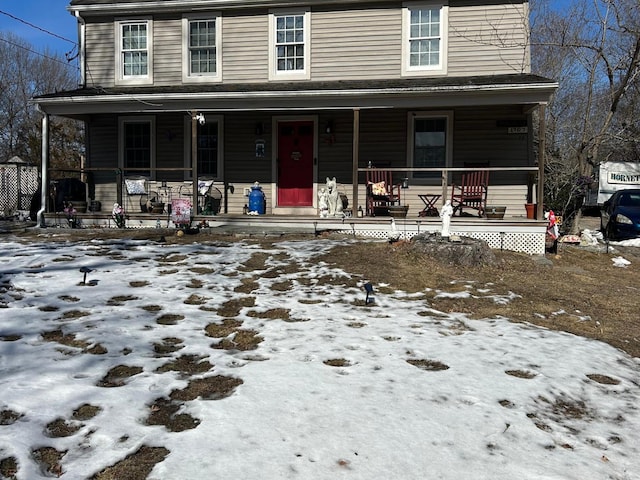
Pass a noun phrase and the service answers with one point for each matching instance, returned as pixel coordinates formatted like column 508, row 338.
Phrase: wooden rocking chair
column 471, row 193
column 381, row 192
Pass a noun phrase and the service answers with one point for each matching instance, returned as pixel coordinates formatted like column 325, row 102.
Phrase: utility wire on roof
column 37, row 27
column 35, row 53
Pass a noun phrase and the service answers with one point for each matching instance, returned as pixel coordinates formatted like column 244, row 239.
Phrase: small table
column 429, row 209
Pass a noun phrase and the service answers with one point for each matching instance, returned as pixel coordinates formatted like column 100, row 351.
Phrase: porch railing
column 445, row 178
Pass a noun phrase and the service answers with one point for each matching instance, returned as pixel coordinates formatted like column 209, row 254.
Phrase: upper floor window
column 134, row 52
column 201, row 55
column 424, row 45
column 289, row 45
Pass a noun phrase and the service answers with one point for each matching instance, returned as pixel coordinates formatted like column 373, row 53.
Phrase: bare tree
column 593, row 49
column 24, row 74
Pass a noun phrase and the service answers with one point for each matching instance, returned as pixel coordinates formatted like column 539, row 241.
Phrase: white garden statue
column 333, row 198
column 323, row 202
column 446, row 213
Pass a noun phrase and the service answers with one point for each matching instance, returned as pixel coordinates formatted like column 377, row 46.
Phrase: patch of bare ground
column 196, row 300
column 603, row 379
column 117, row 376
column 521, row 374
column 169, row 319
column 231, row 308
column 242, row 340
column 70, row 340
column 10, row 338
column 168, row 346
column 136, row 466
column 186, row 364
column 9, row 468
column 49, row 460
column 62, row 428
column 220, row 330
column 209, row 388
column 121, row 299
column 337, row 362
column 247, row 285
column 429, row 365
column 577, row 291
column 9, row 417
column 138, row 283
column 271, row 314
column 165, row 412
column 86, row 411
column 71, row 314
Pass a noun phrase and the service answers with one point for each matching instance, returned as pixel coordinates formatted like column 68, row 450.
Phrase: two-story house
column 289, row 92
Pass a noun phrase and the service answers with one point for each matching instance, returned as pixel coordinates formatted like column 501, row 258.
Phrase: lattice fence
column 18, row 183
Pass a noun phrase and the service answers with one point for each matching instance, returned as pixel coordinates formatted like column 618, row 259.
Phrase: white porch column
column 44, row 188
column 356, row 160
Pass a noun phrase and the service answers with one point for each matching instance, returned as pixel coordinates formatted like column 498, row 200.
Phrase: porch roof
column 523, row 89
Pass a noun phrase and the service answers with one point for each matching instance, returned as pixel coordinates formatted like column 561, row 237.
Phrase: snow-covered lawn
column 334, row 388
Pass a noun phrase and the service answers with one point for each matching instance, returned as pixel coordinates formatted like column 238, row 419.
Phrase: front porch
column 518, row 234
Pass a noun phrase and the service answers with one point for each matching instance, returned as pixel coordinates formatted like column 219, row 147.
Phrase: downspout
column 81, row 48
column 44, row 190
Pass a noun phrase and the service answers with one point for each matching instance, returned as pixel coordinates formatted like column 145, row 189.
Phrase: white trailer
column 616, row 176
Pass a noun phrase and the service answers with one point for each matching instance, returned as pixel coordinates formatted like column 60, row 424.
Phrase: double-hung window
column 201, row 52
column 289, row 45
column 430, row 142
column 137, row 140
column 134, row 52
column 209, row 147
column 424, row 44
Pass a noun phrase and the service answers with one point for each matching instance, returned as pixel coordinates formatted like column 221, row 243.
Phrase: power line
column 37, row 27
column 35, row 53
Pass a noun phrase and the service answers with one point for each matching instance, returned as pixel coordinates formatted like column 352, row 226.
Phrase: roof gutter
column 194, row 5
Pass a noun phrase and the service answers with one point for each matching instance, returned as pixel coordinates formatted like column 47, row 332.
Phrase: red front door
column 295, row 163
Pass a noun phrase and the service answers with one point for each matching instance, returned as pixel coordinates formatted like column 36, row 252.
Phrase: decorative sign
column 181, row 211
column 517, row 129
column 295, row 156
column 260, row 153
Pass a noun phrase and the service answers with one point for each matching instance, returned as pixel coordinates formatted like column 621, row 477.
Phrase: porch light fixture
column 259, row 128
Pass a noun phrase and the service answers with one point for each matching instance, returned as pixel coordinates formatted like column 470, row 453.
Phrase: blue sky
column 49, row 15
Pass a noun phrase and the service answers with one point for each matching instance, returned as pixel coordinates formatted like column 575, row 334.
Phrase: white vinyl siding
column 134, row 51
column 201, row 52
column 289, row 45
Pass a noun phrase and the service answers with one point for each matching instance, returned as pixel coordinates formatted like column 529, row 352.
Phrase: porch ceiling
column 523, row 89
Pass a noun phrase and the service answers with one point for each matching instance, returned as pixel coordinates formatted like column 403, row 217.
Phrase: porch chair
column 381, row 192
column 471, row 192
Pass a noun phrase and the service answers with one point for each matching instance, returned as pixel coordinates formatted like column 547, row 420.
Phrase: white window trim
column 187, row 77
column 187, row 145
column 441, row 69
column 119, row 70
column 122, row 121
column 304, row 74
column 411, row 118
